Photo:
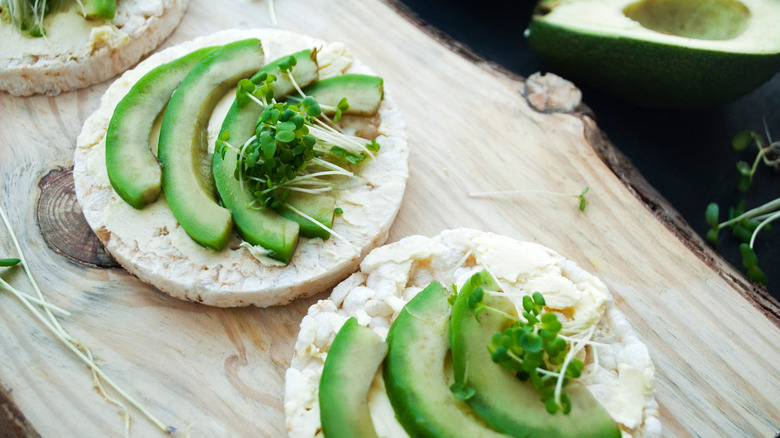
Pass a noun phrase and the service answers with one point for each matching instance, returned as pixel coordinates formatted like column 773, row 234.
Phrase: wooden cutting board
column 714, row 339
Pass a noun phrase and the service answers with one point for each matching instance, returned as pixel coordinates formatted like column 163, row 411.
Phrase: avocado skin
column 263, row 227
column 364, row 93
column 353, row 359
column 132, row 168
column 649, row 73
column 503, row 401
column 414, row 371
column 183, row 143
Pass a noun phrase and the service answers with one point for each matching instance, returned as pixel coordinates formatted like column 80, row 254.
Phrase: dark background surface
column 685, row 154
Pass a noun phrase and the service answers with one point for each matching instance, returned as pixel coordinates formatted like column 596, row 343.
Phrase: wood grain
column 221, row 371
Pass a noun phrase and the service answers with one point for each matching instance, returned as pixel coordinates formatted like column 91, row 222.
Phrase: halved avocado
column 132, row 168
column 506, row 403
column 262, row 227
column 353, row 359
column 99, row 9
column 187, row 183
column 663, row 53
column 414, row 372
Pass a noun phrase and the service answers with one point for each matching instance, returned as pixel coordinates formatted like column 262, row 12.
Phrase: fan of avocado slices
column 245, row 167
column 28, row 15
column 443, row 337
column 276, row 160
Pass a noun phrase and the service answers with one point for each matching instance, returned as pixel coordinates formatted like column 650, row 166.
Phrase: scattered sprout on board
column 745, row 225
column 44, row 311
column 580, row 197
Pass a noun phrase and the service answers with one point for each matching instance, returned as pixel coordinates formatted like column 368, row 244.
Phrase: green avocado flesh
column 100, row 9
column 352, row 361
column 364, row 93
column 262, row 227
column 318, row 206
column 187, row 183
column 661, row 53
column 506, row 403
column 132, row 167
column 414, row 372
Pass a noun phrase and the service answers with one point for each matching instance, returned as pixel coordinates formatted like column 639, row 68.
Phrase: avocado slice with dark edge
column 364, row 93
column 680, row 54
column 319, row 206
column 187, row 184
column 132, row 168
column 262, row 227
column 99, row 9
column 352, row 361
column 508, row 404
column 414, row 373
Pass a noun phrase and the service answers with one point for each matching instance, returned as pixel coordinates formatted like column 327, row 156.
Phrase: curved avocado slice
column 672, row 53
column 132, row 168
column 352, row 361
column 505, row 402
column 188, row 186
column 414, row 371
column 261, row 227
column 364, row 93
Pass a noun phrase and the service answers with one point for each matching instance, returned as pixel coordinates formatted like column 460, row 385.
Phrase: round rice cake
column 76, row 53
column 152, row 245
column 621, row 379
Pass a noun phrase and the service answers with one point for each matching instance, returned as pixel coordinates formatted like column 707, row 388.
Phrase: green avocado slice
column 506, row 403
column 132, row 168
column 363, row 92
column 352, row 361
column 99, row 9
column 187, row 184
column 262, row 227
column 414, row 371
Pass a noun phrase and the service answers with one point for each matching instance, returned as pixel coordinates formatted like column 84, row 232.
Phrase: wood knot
column 62, row 223
column 551, row 93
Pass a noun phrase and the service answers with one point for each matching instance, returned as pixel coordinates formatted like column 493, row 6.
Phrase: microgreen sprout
column 45, row 316
column 532, row 348
column 745, row 225
column 580, row 197
column 768, row 152
column 290, row 142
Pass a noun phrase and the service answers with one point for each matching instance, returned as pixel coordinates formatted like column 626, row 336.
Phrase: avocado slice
column 99, row 9
column 319, row 206
column 363, row 92
column 132, row 168
column 414, row 371
column 352, row 361
column 188, row 186
column 262, row 227
column 508, row 404
column 662, row 53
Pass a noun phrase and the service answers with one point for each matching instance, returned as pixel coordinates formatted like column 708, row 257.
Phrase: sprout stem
column 23, row 296
column 575, row 348
column 768, row 207
column 51, row 323
column 772, row 217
